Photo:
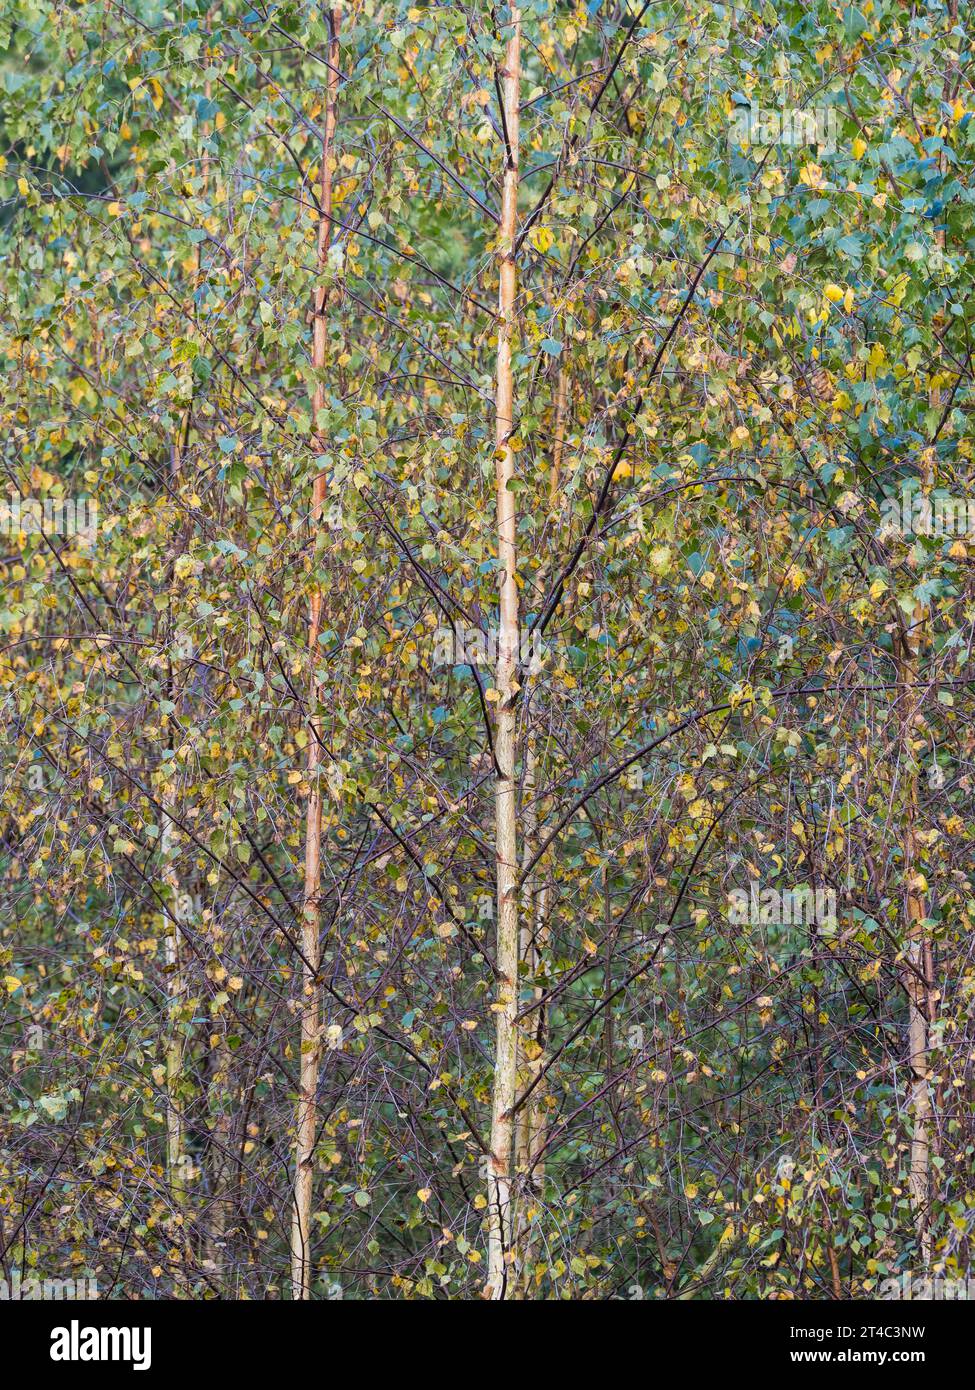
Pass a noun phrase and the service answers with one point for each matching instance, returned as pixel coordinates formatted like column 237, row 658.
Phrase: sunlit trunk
column 301, row 1272
column 506, row 825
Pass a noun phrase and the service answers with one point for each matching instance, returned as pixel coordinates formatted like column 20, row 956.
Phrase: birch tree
column 507, row 687
column 310, row 1044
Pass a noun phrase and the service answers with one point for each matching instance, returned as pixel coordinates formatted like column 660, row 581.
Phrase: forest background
column 485, row 648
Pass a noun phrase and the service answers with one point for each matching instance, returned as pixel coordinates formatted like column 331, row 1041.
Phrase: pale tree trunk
column 537, row 1105
column 219, row 1120
column 301, row 1271
column 917, row 970
column 506, row 822
column 922, row 989
column 177, row 1165
column 219, row 1164
column 175, row 1157
column 530, row 1124
column 526, row 1050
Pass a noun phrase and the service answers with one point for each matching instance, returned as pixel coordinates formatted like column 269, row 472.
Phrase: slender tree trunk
column 219, row 1122
column 915, row 976
column 537, row 1103
column 175, row 1158
column 218, row 1113
column 526, row 1050
column 530, row 1124
column 506, row 823
column 301, row 1271
column 174, row 1047
column 219, row 1166
column 177, row 1165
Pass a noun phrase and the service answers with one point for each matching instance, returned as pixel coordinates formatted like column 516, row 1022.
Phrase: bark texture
column 505, row 743
column 311, row 1046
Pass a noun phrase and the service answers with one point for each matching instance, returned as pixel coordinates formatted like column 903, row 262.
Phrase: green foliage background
column 769, row 341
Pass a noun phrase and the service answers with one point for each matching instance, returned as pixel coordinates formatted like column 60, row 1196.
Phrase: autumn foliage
column 486, row 800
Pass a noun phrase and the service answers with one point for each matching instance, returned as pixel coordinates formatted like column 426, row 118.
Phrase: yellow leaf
column 541, row 238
